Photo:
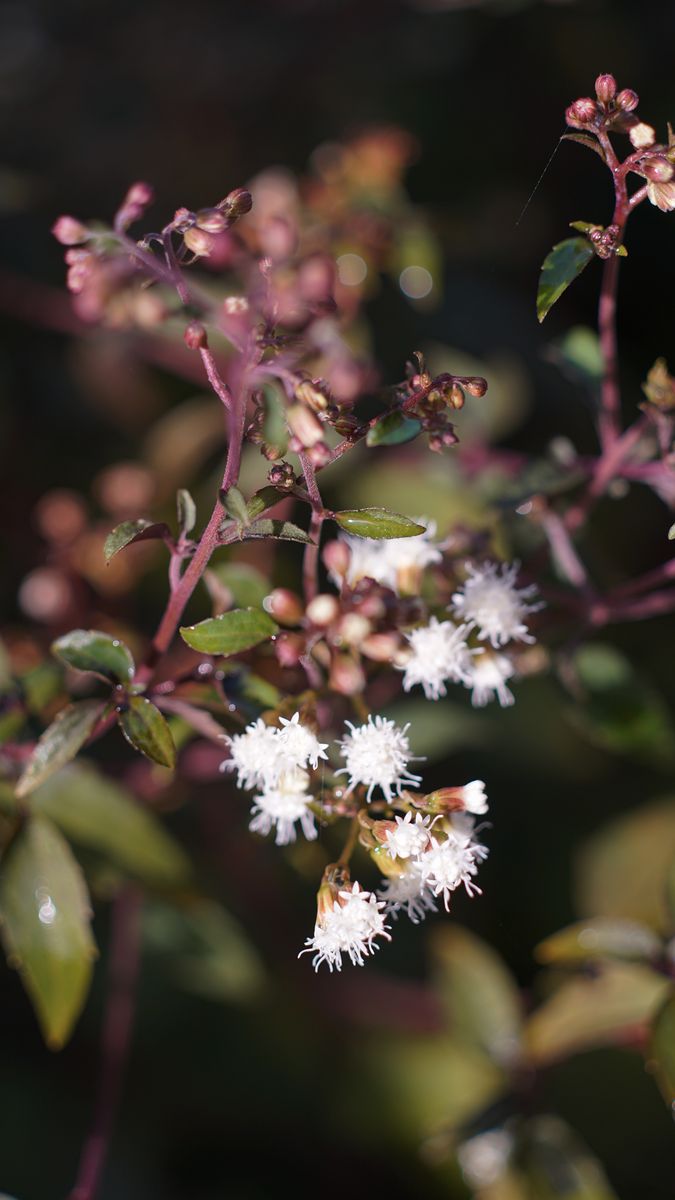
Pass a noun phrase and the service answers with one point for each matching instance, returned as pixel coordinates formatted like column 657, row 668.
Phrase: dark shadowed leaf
column 45, row 926
column 559, row 269
column 377, row 523
column 186, row 510
column 558, row 1166
column 205, row 949
column 662, row 1049
column 282, row 531
column 478, row 993
column 140, row 530
column 231, row 632
column 393, row 430
column 146, row 729
column 90, row 650
column 60, row 742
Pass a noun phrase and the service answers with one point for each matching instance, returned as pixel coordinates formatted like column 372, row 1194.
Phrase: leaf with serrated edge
column 60, row 743
column 146, row 729
column 560, row 267
column 377, row 523
column 45, row 926
column 99, row 653
column 141, row 530
column 230, row 633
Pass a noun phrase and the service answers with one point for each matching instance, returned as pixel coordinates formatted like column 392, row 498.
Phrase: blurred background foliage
column 247, row 1071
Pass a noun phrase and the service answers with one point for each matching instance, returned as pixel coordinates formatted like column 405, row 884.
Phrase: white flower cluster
column 437, row 860
column 494, row 609
column 391, row 561
column 349, row 926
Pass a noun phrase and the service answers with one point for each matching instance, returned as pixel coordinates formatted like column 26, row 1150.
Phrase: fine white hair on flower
column 438, row 652
column 386, row 560
column 489, row 673
column 350, row 927
column 407, row 893
column 300, row 744
column 475, row 799
column 452, row 861
column 253, row 754
column 409, row 838
column 281, row 806
column 377, row 755
column 491, row 601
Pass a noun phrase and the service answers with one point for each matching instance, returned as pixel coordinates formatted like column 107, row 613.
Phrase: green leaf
column 90, row 650
column 146, row 729
column 275, row 429
column 140, row 530
column 559, row 269
column 623, row 871
column 601, row 937
column 246, row 584
column 558, row 1166
column 45, row 926
column 478, row 993
column 282, row 531
column 99, row 814
column 377, row 523
column 393, row 430
column 231, row 632
column 186, row 510
column 584, row 226
column 594, row 1011
column 206, row 950
column 263, row 499
column 662, row 1049
column 235, row 506
column 60, row 742
column 578, row 351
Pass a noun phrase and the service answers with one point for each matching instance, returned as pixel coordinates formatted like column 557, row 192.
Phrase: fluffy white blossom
column 475, row 800
column 439, row 652
column 350, row 927
column 453, row 860
column 407, row 893
column 300, row 744
column 388, row 560
column 377, row 755
column 253, row 754
column 281, row 805
column 490, row 600
column 409, row 838
column 489, row 673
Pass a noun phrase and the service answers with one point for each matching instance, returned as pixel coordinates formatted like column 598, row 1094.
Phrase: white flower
column 407, row 893
column 642, row 135
column 453, row 861
column 377, row 755
column 253, row 754
column 409, row 838
column 388, row 561
column 439, row 653
column 283, row 804
column 475, row 800
column 662, row 194
column 489, row 673
column 299, row 744
column 491, row 601
column 349, row 927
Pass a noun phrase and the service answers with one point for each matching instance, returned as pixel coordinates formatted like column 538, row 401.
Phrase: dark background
column 227, row 1101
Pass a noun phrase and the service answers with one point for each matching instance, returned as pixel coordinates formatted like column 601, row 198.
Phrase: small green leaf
column 584, row 226
column 275, row 429
column 90, row 650
column 601, row 937
column 662, row 1049
column 393, row 430
column 186, row 510
column 231, row 632
column 146, row 729
column 235, row 506
column 559, row 269
column 377, row 523
column 282, row 531
column 60, row 742
column 263, row 499
column 141, row 530
column 45, row 926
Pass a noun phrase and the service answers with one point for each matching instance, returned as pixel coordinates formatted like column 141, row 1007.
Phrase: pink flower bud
column 323, row 610
column 659, row 170
column 304, row 425
column 381, row 647
column 605, row 88
column 195, row 336
column 139, row 195
column 236, row 203
column 285, row 606
column 289, row 648
column 336, row 556
column 212, row 220
column 583, row 112
column 198, row 241
column 476, row 386
column 346, row 675
column 627, row 100
column 69, row 232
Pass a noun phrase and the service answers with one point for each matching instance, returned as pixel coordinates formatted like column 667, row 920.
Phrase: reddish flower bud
column 195, row 336
column 198, row 241
column 212, row 220
column 139, row 195
column 583, row 111
column 476, row 386
column 605, row 88
column 627, row 100
column 336, row 556
column 236, row 204
column 285, row 606
column 346, row 675
column 69, row 232
column 304, row 425
column 659, row 170
column 289, row 648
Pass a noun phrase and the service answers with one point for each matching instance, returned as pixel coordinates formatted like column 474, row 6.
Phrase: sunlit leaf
column 91, row 650
column 140, row 530
column 393, row 430
column 662, row 1049
column 45, row 926
column 231, row 632
column 560, row 267
column 146, row 729
column 60, row 742
column 477, row 991
column 377, row 523
column 601, row 937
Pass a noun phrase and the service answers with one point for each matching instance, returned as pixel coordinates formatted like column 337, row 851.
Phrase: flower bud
column 285, row 606
column 139, row 196
column 281, row 475
column 381, row 647
column 309, row 393
column 289, row 649
column 605, row 88
column 642, row 135
column 323, row 609
column 353, row 628
column 582, row 112
column 456, row 396
column 304, row 425
column 319, row 455
column 195, row 336
column 183, row 219
column 627, row 100
column 69, row 232
column 346, row 675
column 336, row 556
column 476, row 386
column 212, row 220
column 659, row 170
column 198, row 241
column 236, row 204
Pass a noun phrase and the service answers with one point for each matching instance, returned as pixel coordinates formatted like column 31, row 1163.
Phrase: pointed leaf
column 559, row 269
column 377, row 523
column 263, row 499
column 231, row 632
column 275, row 429
column 146, row 729
column 478, row 993
column 186, row 510
column 45, row 926
column 246, row 584
column 281, row 531
column 623, row 871
column 207, row 951
column 141, row 530
column 602, row 937
column 662, row 1050
column 60, row 742
column 235, row 506
column 393, row 430
column 91, row 650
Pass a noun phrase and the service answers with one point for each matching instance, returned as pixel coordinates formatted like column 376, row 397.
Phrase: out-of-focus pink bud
column 198, row 241
column 285, row 606
column 70, row 232
column 304, row 425
column 605, row 88
column 213, row 220
column 195, row 336
column 236, row 203
column 336, row 556
column 659, row 170
column 289, row 649
column 381, row 647
column 582, row 112
column 346, row 675
column 323, row 610
column 139, row 195
column 627, row 100
column 353, row 628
